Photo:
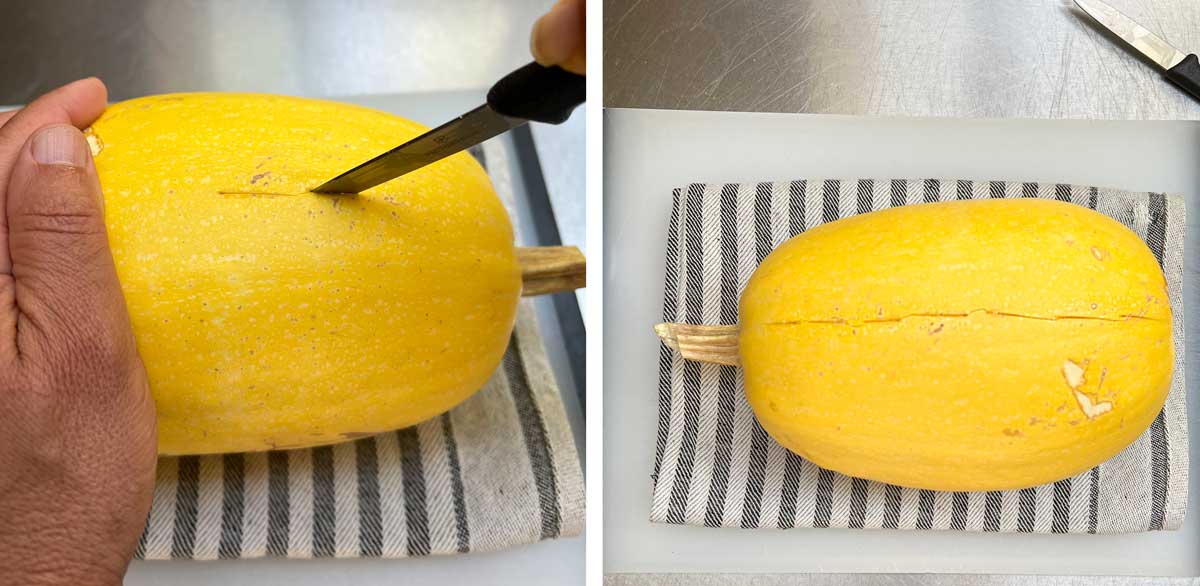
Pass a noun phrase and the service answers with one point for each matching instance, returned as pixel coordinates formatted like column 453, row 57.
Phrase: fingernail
column 60, row 145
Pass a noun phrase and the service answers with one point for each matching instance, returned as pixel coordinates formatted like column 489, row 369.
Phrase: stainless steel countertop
column 960, row 58
column 296, row 47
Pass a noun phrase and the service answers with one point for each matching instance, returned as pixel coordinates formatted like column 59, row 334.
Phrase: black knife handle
column 1186, row 74
column 533, row 92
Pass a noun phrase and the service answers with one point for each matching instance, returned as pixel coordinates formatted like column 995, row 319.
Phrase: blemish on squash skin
column 1099, row 253
column 1075, row 377
column 1012, row 432
column 94, row 143
column 1090, row 409
column 1073, row 373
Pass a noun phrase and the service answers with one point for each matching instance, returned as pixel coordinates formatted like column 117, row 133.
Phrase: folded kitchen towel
column 715, row 466
column 499, row 470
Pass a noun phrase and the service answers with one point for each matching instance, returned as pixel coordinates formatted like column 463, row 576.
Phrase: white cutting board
column 648, row 152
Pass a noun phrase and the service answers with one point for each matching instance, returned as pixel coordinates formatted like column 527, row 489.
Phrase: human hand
column 77, row 430
column 559, row 37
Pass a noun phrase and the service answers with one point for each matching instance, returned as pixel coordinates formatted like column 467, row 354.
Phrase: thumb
column 559, row 37
column 65, row 282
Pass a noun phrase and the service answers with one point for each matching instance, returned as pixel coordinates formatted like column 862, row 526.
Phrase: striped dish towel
column 715, row 466
column 499, row 470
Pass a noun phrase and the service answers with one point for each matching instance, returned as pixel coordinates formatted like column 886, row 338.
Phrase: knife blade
column 1182, row 69
column 533, row 92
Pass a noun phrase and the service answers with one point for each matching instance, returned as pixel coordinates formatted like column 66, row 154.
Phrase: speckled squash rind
column 270, row 317
column 961, row 346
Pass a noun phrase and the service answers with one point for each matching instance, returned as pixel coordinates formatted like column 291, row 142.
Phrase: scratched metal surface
column 958, row 58
column 296, row 47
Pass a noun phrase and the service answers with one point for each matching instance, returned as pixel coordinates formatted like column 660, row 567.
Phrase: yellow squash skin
column 961, row 346
column 270, row 317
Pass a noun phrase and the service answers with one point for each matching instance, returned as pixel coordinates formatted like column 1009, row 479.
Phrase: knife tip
column 331, row 188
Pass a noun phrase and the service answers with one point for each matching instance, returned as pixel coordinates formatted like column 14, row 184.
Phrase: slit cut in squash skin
column 958, row 346
column 271, row 317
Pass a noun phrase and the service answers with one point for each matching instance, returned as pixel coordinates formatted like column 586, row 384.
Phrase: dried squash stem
column 717, row 344
column 551, row 269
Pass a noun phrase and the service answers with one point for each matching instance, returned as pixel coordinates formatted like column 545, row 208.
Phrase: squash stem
column 551, row 269
column 715, row 344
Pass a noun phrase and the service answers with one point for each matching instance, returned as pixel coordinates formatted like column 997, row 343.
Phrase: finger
column 5, row 115
column 558, row 37
column 78, row 103
column 576, row 63
column 65, row 282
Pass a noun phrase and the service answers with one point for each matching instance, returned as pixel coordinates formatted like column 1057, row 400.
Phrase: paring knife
column 1183, row 70
column 533, row 92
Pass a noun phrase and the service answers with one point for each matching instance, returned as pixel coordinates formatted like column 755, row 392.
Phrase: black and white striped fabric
column 715, row 466
column 499, row 470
